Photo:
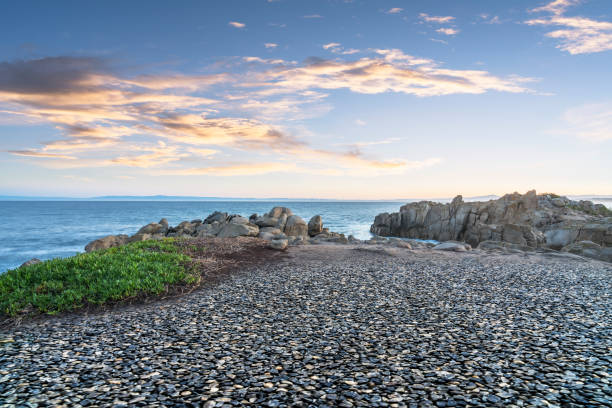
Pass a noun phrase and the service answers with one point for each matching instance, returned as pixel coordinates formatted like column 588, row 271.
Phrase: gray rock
column 237, row 219
column 295, row 227
column 216, row 216
column 526, row 220
column 209, row 230
column 107, row 242
column 276, row 212
column 164, row 223
column 186, row 228
column 315, row 225
column 589, row 249
column 279, row 244
column 237, row 230
column 453, row 246
column 144, row 237
column 153, row 228
column 32, row 261
column 267, row 236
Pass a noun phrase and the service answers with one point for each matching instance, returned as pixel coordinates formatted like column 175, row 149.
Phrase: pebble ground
column 337, row 326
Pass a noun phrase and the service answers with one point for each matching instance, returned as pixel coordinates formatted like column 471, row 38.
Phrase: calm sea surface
column 52, row 229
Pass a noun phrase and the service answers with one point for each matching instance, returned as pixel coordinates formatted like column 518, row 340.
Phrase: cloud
column 239, row 169
column 360, row 122
column 490, row 19
column 180, row 122
column 236, row 24
column 387, row 71
column 270, row 45
column 578, row 35
column 448, row 31
column 556, row 7
column 436, row 19
column 395, row 10
column 313, row 16
column 32, row 153
column 337, row 48
column 592, row 122
column 271, row 61
column 331, row 45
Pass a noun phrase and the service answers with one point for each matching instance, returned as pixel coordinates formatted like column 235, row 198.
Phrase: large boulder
column 106, row 242
column 232, row 230
column 216, row 217
column 209, row 230
column 277, row 218
column 279, row 244
column 589, row 249
column 143, row 237
column 315, row 225
column 154, row 228
column 453, row 246
column 296, row 227
column 238, row 219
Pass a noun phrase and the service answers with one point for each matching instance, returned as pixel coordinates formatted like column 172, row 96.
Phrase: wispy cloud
column 579, row 35
column 236, row 24
column 592, row 122
column 313, row 16
column 360, row 122
column 270, row 45
column 337, row 48
column 556, row 7
column 32, row 153
column 490, row 19
column 394, row 10
column 436, row 19
column 388, row 71
column 178, row 123
column 330, row 45
column 448, row 31
column 235, row 169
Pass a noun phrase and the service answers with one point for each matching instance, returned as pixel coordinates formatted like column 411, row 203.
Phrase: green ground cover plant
column 135, row 270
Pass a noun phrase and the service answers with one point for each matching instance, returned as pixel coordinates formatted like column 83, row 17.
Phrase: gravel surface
column 337, row 326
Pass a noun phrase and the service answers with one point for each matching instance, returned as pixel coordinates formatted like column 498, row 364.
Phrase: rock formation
column 528, row 221
column 280, row 227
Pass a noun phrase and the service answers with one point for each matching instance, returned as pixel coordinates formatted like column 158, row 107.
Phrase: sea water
column 52, row 229
column 57, row 229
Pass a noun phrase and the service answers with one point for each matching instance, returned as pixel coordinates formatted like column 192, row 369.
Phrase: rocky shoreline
column 338, row 325
column 514, row 223
column 519, row 222
column 279, row 227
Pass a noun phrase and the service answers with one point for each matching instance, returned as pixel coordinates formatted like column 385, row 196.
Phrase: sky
column 319, row 99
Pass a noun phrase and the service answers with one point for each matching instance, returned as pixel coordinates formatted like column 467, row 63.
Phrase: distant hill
column 196, row 198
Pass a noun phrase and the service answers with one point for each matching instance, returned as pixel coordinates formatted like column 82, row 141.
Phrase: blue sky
column 326, row 99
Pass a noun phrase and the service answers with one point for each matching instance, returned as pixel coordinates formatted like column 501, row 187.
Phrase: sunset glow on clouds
column 274, row 109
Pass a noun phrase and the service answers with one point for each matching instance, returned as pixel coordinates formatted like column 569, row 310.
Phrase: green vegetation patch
column 115, row 274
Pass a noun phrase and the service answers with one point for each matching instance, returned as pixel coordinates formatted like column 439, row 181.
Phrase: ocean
column 57, row 229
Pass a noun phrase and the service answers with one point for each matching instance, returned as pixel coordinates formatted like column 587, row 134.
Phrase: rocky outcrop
column 280, row 227
column 527, row 220
column 107, row 242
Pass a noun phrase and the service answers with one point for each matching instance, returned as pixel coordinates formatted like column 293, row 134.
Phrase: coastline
column 477, row 328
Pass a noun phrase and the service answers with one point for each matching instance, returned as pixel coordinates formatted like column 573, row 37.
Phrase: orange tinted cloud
column 391, row 71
